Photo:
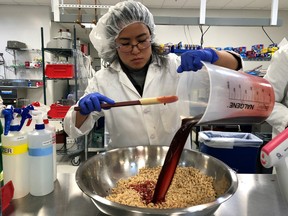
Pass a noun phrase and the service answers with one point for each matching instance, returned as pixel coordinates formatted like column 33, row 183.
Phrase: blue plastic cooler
column 238, row 150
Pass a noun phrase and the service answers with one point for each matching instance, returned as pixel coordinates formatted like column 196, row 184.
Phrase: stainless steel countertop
column 257, row 195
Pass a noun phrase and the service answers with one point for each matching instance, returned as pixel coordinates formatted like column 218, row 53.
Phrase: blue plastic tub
column 238, row 150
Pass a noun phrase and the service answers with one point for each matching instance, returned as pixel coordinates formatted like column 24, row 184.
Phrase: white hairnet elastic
column 113, row 22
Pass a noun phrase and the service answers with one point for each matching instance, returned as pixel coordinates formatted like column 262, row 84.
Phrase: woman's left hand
column 191, row 60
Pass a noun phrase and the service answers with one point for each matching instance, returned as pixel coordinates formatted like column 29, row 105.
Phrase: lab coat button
column 152, row 136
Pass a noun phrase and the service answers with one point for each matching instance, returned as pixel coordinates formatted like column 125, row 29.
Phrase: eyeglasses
column 126, row 48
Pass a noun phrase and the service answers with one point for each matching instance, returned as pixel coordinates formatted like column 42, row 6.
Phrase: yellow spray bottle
column 15, row 154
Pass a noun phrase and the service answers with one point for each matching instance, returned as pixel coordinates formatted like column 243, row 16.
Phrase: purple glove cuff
column 211, row 55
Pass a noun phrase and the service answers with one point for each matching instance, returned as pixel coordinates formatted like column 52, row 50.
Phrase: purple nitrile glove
column 191, row 60
column 92, row 102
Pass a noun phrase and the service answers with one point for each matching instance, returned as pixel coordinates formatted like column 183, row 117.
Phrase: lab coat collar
column 117, row 67
column 152, row 70
column 123, row 78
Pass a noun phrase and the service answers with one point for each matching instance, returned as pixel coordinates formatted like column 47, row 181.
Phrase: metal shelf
column 91, row 149
column 20, row 87
column 60, row 52
column 20, row 83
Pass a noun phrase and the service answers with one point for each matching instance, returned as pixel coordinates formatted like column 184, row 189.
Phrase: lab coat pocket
column 169, row 117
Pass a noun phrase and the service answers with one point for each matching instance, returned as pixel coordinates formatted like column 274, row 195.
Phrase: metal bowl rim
column 219, row 200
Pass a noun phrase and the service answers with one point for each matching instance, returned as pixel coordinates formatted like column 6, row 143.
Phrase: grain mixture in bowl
column 189, row 187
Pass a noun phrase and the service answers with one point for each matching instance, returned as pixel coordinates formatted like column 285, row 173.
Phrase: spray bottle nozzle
column 37, row 115
column 36, row 104
column 25, row 113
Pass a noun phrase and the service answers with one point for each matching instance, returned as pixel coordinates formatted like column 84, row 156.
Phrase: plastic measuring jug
column 224, row 96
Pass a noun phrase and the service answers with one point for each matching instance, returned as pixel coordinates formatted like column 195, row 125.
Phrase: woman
column 135, row 68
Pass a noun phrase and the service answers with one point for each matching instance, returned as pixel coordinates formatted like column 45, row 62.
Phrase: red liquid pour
column 145, row 190
column 172, row 159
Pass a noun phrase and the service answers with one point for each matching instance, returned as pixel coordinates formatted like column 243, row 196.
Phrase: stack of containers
column 60, row 68
column 63, row 40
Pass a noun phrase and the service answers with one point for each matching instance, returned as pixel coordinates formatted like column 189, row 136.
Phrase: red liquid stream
column 172, row 159
column 145, row 190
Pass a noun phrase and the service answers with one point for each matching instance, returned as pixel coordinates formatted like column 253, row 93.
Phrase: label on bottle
column 14, row 150
column 54, row 138
column 36, row 152
column 18, row 138
column 48, row 142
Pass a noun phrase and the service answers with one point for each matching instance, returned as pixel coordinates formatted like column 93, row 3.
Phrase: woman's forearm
column 80, row 119
column 227, row 60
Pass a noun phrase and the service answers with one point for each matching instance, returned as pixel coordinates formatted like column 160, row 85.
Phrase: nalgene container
column 224, row 96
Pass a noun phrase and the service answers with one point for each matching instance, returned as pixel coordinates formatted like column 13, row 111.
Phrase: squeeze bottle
column 15, row 154
column 48, row 126
column 40, row 158
column 52, row 128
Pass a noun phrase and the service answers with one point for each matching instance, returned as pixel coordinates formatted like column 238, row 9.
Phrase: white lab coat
column 277, row 75
column 134, row 125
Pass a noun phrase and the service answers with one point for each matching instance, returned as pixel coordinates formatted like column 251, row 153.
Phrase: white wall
column 23, row 23
column 223, row 36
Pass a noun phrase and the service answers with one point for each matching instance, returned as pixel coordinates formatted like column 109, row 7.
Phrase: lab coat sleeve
column 239, row 59
column 70, row 118
column 69, row 124
column 277, row 75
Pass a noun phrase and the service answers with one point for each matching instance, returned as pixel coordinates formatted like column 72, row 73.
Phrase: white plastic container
column 274, row 153
column 40, row 158
column 63, row 43
column 15, row 160
column 238, row 150
column 51, row 128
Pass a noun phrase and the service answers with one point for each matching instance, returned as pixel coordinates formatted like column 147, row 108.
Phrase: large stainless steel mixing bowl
column 96, row 176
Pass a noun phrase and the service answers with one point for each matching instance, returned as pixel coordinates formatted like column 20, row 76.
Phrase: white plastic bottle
column 15, row 158
column 40, row 150
column 52, row 128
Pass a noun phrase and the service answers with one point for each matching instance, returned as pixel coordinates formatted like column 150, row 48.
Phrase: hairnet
column 113, row 22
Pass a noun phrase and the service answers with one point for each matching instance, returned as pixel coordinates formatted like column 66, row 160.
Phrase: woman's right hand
column 92, row 102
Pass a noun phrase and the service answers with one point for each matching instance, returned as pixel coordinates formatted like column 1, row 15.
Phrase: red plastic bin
column 7, row 193
column 58, row 111
column 59, row 71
